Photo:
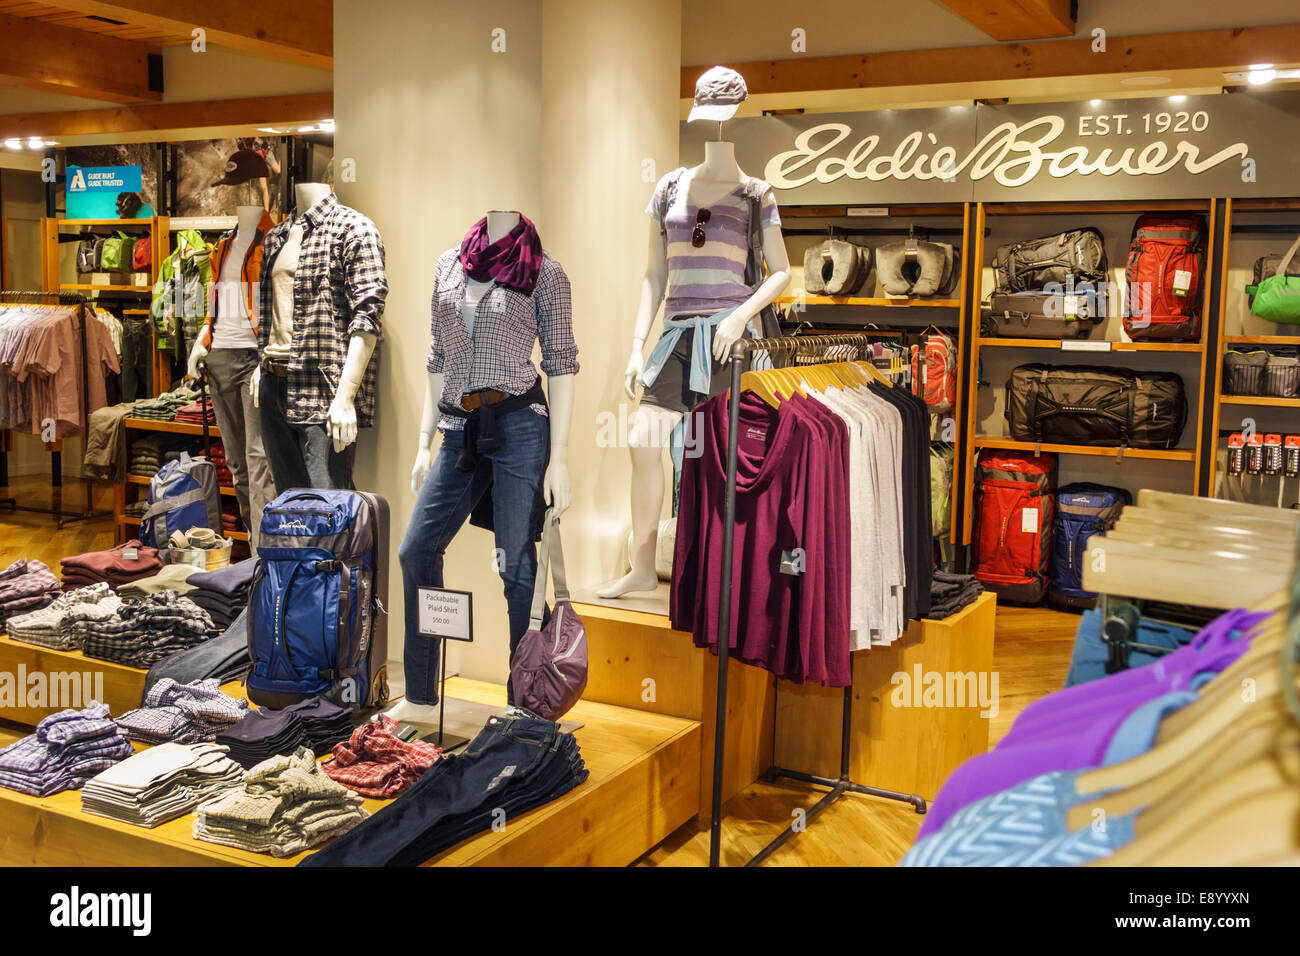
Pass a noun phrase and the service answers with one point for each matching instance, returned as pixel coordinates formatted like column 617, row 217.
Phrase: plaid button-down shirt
column 506, row 326
column 338, row 292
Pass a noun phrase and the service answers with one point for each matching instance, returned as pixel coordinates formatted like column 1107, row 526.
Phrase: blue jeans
column 514, row 472
column 300, row 456
column 512, row 766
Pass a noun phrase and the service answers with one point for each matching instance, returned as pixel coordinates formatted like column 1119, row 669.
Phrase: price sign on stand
column 448, row 615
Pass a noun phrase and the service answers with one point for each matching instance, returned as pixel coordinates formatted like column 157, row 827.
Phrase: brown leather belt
column 275, row 368
column 472, row 401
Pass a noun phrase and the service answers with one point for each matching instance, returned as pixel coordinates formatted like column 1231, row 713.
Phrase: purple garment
column 67, row 749
column 1080, row 735
column 1218, row 644
column 513, row 261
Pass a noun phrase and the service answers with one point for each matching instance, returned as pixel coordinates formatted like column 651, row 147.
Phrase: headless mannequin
column 557, row 490
column 230, row 291
column 342, row 416
column 710, row 181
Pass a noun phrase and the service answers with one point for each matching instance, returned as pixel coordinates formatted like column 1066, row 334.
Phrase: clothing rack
column 56, row 456
column 842, row 785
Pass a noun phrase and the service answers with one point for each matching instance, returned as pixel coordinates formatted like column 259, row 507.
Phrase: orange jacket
column 249, row 276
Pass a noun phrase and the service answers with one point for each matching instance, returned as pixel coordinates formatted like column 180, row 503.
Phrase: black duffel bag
column 1086, row 405
column 1031, row 265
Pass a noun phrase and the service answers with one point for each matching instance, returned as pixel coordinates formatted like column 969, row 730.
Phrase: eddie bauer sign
column 1237, row 145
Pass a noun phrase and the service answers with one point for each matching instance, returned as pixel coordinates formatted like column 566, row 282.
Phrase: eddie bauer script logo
column 77, row 909
column 297, row 524
column 1013, row 154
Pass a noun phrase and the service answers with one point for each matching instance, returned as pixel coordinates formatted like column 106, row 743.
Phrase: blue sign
column 105, row 192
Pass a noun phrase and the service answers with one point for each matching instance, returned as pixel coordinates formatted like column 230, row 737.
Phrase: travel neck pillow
column 835, row 267
column 920, row 274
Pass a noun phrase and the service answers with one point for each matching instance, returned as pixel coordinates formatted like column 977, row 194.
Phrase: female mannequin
column 705, row 187
column 519, row 459
column 227, row 345
column 299, row 441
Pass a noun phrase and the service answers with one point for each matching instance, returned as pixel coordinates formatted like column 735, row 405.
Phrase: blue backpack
column 1082, row 510
column 317, row 615
column 184, row 494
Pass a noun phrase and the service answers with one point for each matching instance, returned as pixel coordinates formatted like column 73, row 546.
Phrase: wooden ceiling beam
column 254, row 111
column 1017, row 19
column 1157, row 53
column 41, row 56
column 298, row 30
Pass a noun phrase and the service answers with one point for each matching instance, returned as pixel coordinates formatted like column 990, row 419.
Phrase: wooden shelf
column 175, row 428
column 1267, row 400
column 91, row 287
column 1102, row 451
column 1060, row 345
column 859, row 301
column 136, row 312
column 1262, row 339
column 145, row 479
column 1088, row 207
column 105, row 222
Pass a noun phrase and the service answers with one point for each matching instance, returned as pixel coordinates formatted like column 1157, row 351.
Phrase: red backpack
column 141, row 256
column 1166, row 260
column 940, row 353
column 1013, row 523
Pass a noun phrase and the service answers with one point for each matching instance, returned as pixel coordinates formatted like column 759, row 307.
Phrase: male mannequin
column 311, row 422
column 528, row 469
column 227, row 345
column 708, row 186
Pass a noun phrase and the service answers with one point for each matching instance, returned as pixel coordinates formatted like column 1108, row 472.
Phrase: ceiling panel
column 53, row 14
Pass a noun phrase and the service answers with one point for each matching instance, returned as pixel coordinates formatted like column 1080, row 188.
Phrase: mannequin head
column 500, row 222
column 249, row 217
column 307, row 195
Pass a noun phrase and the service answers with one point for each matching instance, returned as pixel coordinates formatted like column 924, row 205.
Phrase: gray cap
column 718, row 94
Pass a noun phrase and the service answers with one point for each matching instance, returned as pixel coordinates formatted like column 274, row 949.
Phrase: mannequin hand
column 255, row 384
column 197, row 355
column 632, row 376
column 342, row 422
column 556, row 489
column 423, row 462
column 726, row 334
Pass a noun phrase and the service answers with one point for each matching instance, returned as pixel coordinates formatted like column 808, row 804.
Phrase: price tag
column 1029, row 521
column 1182, row 282
column 447, row 614
column 867, row 211
column 131, row 554
column 1070, row 307
column 1085, row 345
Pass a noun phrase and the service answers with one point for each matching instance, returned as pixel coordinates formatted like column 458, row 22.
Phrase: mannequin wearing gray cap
column 699, row 244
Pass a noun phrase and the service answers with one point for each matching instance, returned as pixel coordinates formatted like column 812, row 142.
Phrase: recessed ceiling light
column 1094, row 102
column 13, row 144
column 1145, row 80
column 1261, row 73
column 35, row 143
column 1178, row 98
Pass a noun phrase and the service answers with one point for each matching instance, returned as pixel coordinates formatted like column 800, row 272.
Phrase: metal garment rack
column 56, row 457
column 842, row 785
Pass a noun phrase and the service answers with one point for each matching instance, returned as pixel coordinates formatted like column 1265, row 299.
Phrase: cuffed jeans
column 301, row 456
column 512, row 766
column 230, row 374
column 446, row 499
column 137, row 359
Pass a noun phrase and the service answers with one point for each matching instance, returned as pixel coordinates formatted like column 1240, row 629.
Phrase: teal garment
column 1026, row 825
column 701, row 327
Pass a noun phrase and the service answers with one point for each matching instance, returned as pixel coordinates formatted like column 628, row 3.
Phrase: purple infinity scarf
column 512, row 261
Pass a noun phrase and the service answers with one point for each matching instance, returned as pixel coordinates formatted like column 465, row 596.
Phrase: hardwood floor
column 1031, row 655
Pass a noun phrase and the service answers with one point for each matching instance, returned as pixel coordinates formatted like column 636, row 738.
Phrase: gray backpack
column 184, row 494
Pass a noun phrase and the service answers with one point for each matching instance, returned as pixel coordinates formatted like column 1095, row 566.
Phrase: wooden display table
column 643, row 784
column 71, row 679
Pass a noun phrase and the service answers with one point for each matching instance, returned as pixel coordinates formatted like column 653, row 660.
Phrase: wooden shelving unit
column 1078, row 349
column 1223, row 339
column 874, row 311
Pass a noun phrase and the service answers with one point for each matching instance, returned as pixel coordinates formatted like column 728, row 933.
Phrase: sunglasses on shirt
column 697, row 234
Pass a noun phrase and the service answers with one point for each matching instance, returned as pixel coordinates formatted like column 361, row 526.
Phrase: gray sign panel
column 1238, row 145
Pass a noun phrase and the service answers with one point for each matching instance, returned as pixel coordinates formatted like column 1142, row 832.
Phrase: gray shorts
column 672, row 387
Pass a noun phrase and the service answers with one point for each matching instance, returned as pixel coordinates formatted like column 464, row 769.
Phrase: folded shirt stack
column 148, row 454
column 223, row 593
column 183, row 713
column 949, row 593
column 160, row 783
column 315, row 723
column 121, row 565
column 51, row 626
column 218, row 457
column 195, row 413
column 374, row 763
column 172, row 577
column 26, row 586
column 136, row 509
column 146, row 631
column 284, row 806
column 67, row 749
column 164, row 407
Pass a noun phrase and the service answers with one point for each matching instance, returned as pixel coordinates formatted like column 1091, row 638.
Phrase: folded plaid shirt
column 66, row 750
column 25, row 579
column 374, row 763
column 184, row 713
column 145, row 631
column 338, row 292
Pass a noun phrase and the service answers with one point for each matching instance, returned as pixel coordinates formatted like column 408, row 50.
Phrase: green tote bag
column 1277, row 297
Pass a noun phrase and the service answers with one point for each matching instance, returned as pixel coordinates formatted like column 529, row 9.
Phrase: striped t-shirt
column 711, row 278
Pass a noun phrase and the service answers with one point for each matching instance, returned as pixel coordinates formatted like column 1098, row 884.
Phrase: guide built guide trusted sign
column 97, row 192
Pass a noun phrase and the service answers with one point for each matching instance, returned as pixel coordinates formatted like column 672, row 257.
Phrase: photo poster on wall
column 111, row 182
column 215, row 176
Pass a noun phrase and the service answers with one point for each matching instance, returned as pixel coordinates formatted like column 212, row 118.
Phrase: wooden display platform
column 643, row 785
column 65, row 672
